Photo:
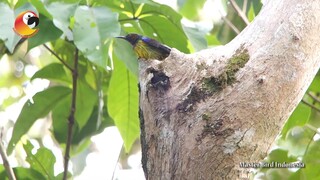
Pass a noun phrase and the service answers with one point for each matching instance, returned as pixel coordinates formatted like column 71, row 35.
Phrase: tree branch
column 6, row 164
column 58, row 57
column 231, row 25
column 71, row 118
column 240, row 12
column 315, row 98
column 310, row 105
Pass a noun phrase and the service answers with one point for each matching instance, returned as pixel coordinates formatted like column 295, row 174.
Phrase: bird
column 25, row 24
column 147, row 48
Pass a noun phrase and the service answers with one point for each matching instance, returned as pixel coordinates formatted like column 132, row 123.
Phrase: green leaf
column 123, row 50
column 40, row 7
column 54, row 71
column 93, row 27
column 161, row 19
column 312, row 160
column 298, row 140
column 7, row 18
column 44, row 102
column 47, row 32
column 23, row 174
column 161, row 26
column 299, row 117
column 123, row 103
column 315, row 85
column 196, row 37
column 85, row 102
column 43, row 161
column 256, row 6
column 61, row 13
column 190, row 8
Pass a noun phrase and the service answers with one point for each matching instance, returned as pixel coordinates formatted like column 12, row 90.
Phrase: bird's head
column 131, row 38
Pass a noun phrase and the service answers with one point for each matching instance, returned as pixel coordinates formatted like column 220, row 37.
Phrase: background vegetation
column 106, row 88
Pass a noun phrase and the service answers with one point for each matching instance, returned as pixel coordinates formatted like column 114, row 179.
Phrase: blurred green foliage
column 107, row 91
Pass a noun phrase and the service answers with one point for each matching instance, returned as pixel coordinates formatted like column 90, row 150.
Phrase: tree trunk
column 204, row 113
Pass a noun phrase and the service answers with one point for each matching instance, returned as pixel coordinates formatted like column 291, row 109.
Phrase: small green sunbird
column 147, row 48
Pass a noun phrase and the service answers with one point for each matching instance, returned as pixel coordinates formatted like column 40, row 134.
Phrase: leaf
column 53, row 71
column 161, row 26
column 93, row 27
column 40, row 7
column 123, row 103
column 85, row 103
column 44, row 102
column 23, row 174
column 190, row 9
column 86, row 100
column 43, row 161
column 298, row 140
column 47, row 32
column 123, row 50
column 7, row 18
column 312, row 160
column 299, row 117
column 196, row 37
column 315, row 85
column 61, row 13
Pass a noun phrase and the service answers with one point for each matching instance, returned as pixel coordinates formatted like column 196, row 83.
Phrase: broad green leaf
column 123, row 50
column 22, row 174
column 40, row 7
column 191, row 8
column 196, row 37
column 256, row 6
column 43, row 161
column 85, row 102
column 54, row 71
column 93, row 27
column 47, row 32
column 44, row 102
column 123, row 103
column 312, row 160
column 298, row 140
column 61, row 13
column 299, row 117
column 315, row 85
column 161, row 26
column 7, row 18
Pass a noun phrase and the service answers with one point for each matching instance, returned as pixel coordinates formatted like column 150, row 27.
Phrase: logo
column 25, row 24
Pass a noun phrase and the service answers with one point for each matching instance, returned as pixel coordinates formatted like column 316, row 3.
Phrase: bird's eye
column 27, row 16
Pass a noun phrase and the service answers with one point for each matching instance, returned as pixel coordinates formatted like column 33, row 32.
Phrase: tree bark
column 204, row 113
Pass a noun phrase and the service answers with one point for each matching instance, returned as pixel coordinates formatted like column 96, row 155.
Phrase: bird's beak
column 121, row 37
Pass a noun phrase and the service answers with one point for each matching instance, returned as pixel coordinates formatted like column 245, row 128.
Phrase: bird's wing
column 156, row 44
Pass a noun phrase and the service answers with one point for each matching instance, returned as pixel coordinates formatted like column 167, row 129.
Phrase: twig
column 240, row 12
column 58, row 57
column 310, row 105
column 315, row 98
column 71, row 118
column 313, row 128
column 6, row 164
column 244, row 6
column 230, row 24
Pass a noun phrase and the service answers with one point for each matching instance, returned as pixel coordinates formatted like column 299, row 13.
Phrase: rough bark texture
column 204, row 113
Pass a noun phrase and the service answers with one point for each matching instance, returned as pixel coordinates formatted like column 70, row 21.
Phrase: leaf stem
column 58, row 57
column 310, row 105
column 71, row 118
column 240, row 12
column 6, row 164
